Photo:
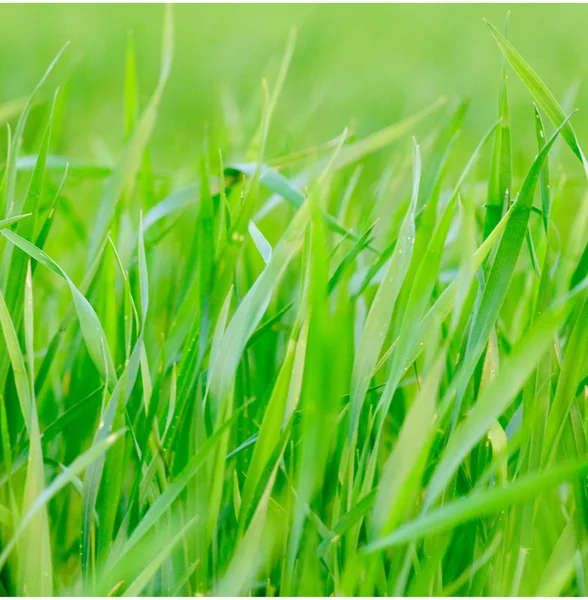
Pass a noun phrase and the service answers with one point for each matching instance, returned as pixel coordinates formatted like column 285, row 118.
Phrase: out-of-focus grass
column 361, row 65
column 256, row 339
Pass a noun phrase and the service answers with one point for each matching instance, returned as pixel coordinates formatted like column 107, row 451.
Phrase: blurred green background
column 359, row 65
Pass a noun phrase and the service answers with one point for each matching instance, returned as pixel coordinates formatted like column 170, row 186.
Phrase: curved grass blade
column 478, row 504
column 92, row 331
column 4, row 223
column 280, row 185
column 250, row 312
column 544, row 98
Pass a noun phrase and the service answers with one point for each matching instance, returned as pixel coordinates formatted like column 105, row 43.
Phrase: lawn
column 293, row 300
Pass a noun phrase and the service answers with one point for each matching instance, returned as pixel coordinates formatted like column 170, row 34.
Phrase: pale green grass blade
column 250, row 312
column 261, row 243
column 20, row 375
column 362, row 148
column 560, row 566
column 36, row 561
column 282, row 403
column 544, row 98
column 174, row 202
column 499, row 182
column 545, row 176
column 479, row 503
column 15, row 266
column 380, row 313
column 439, row 154
column 404, row 467
column 131, row 101
column 57, row 164
column 137, row 586
column 426, row 260
column 4, row 223
column 246, row 555
column 7, row 207
column 92, row 331
column 280, row 185
column 572, row 371
column 11, row 109
column 166, row 500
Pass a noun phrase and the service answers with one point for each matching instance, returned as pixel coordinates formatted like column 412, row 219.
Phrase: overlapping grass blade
column 503, row 267
column 497, row 396
column 92, row 330
column 477, row 504
column 380, row 313
column 544, row 98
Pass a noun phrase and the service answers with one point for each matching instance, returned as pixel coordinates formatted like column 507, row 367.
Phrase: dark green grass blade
column 503, row 267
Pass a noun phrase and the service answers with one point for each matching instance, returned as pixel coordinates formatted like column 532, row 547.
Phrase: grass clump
column 291, row 374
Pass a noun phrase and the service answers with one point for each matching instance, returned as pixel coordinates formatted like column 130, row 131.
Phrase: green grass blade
column 137, row 586
column 503, row 267
column 479, row 503
column 250, row 312
column 380, row 313
column 10, row 175
column 496, row 397
column 36, row 558
column 92, row 331
column 73, row 470
column 544, row 98
column 404, row 467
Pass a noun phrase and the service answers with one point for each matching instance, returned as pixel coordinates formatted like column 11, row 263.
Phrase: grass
column 295, row 372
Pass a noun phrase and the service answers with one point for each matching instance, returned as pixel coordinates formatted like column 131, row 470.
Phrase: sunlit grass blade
column 544, row 98
column 499, row 180
column 91, row 328
column 496, row 397
column 477, row 504
column 404, row 467
column 250, row 312
column 380, row 313
column 36, row 559
column 503, row 267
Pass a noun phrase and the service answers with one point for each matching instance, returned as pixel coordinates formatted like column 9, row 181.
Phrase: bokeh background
column 359, row 65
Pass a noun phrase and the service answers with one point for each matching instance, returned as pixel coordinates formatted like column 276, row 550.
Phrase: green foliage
column 286, row 372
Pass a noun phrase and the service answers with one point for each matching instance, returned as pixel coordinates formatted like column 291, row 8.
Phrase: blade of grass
column 479, row 503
